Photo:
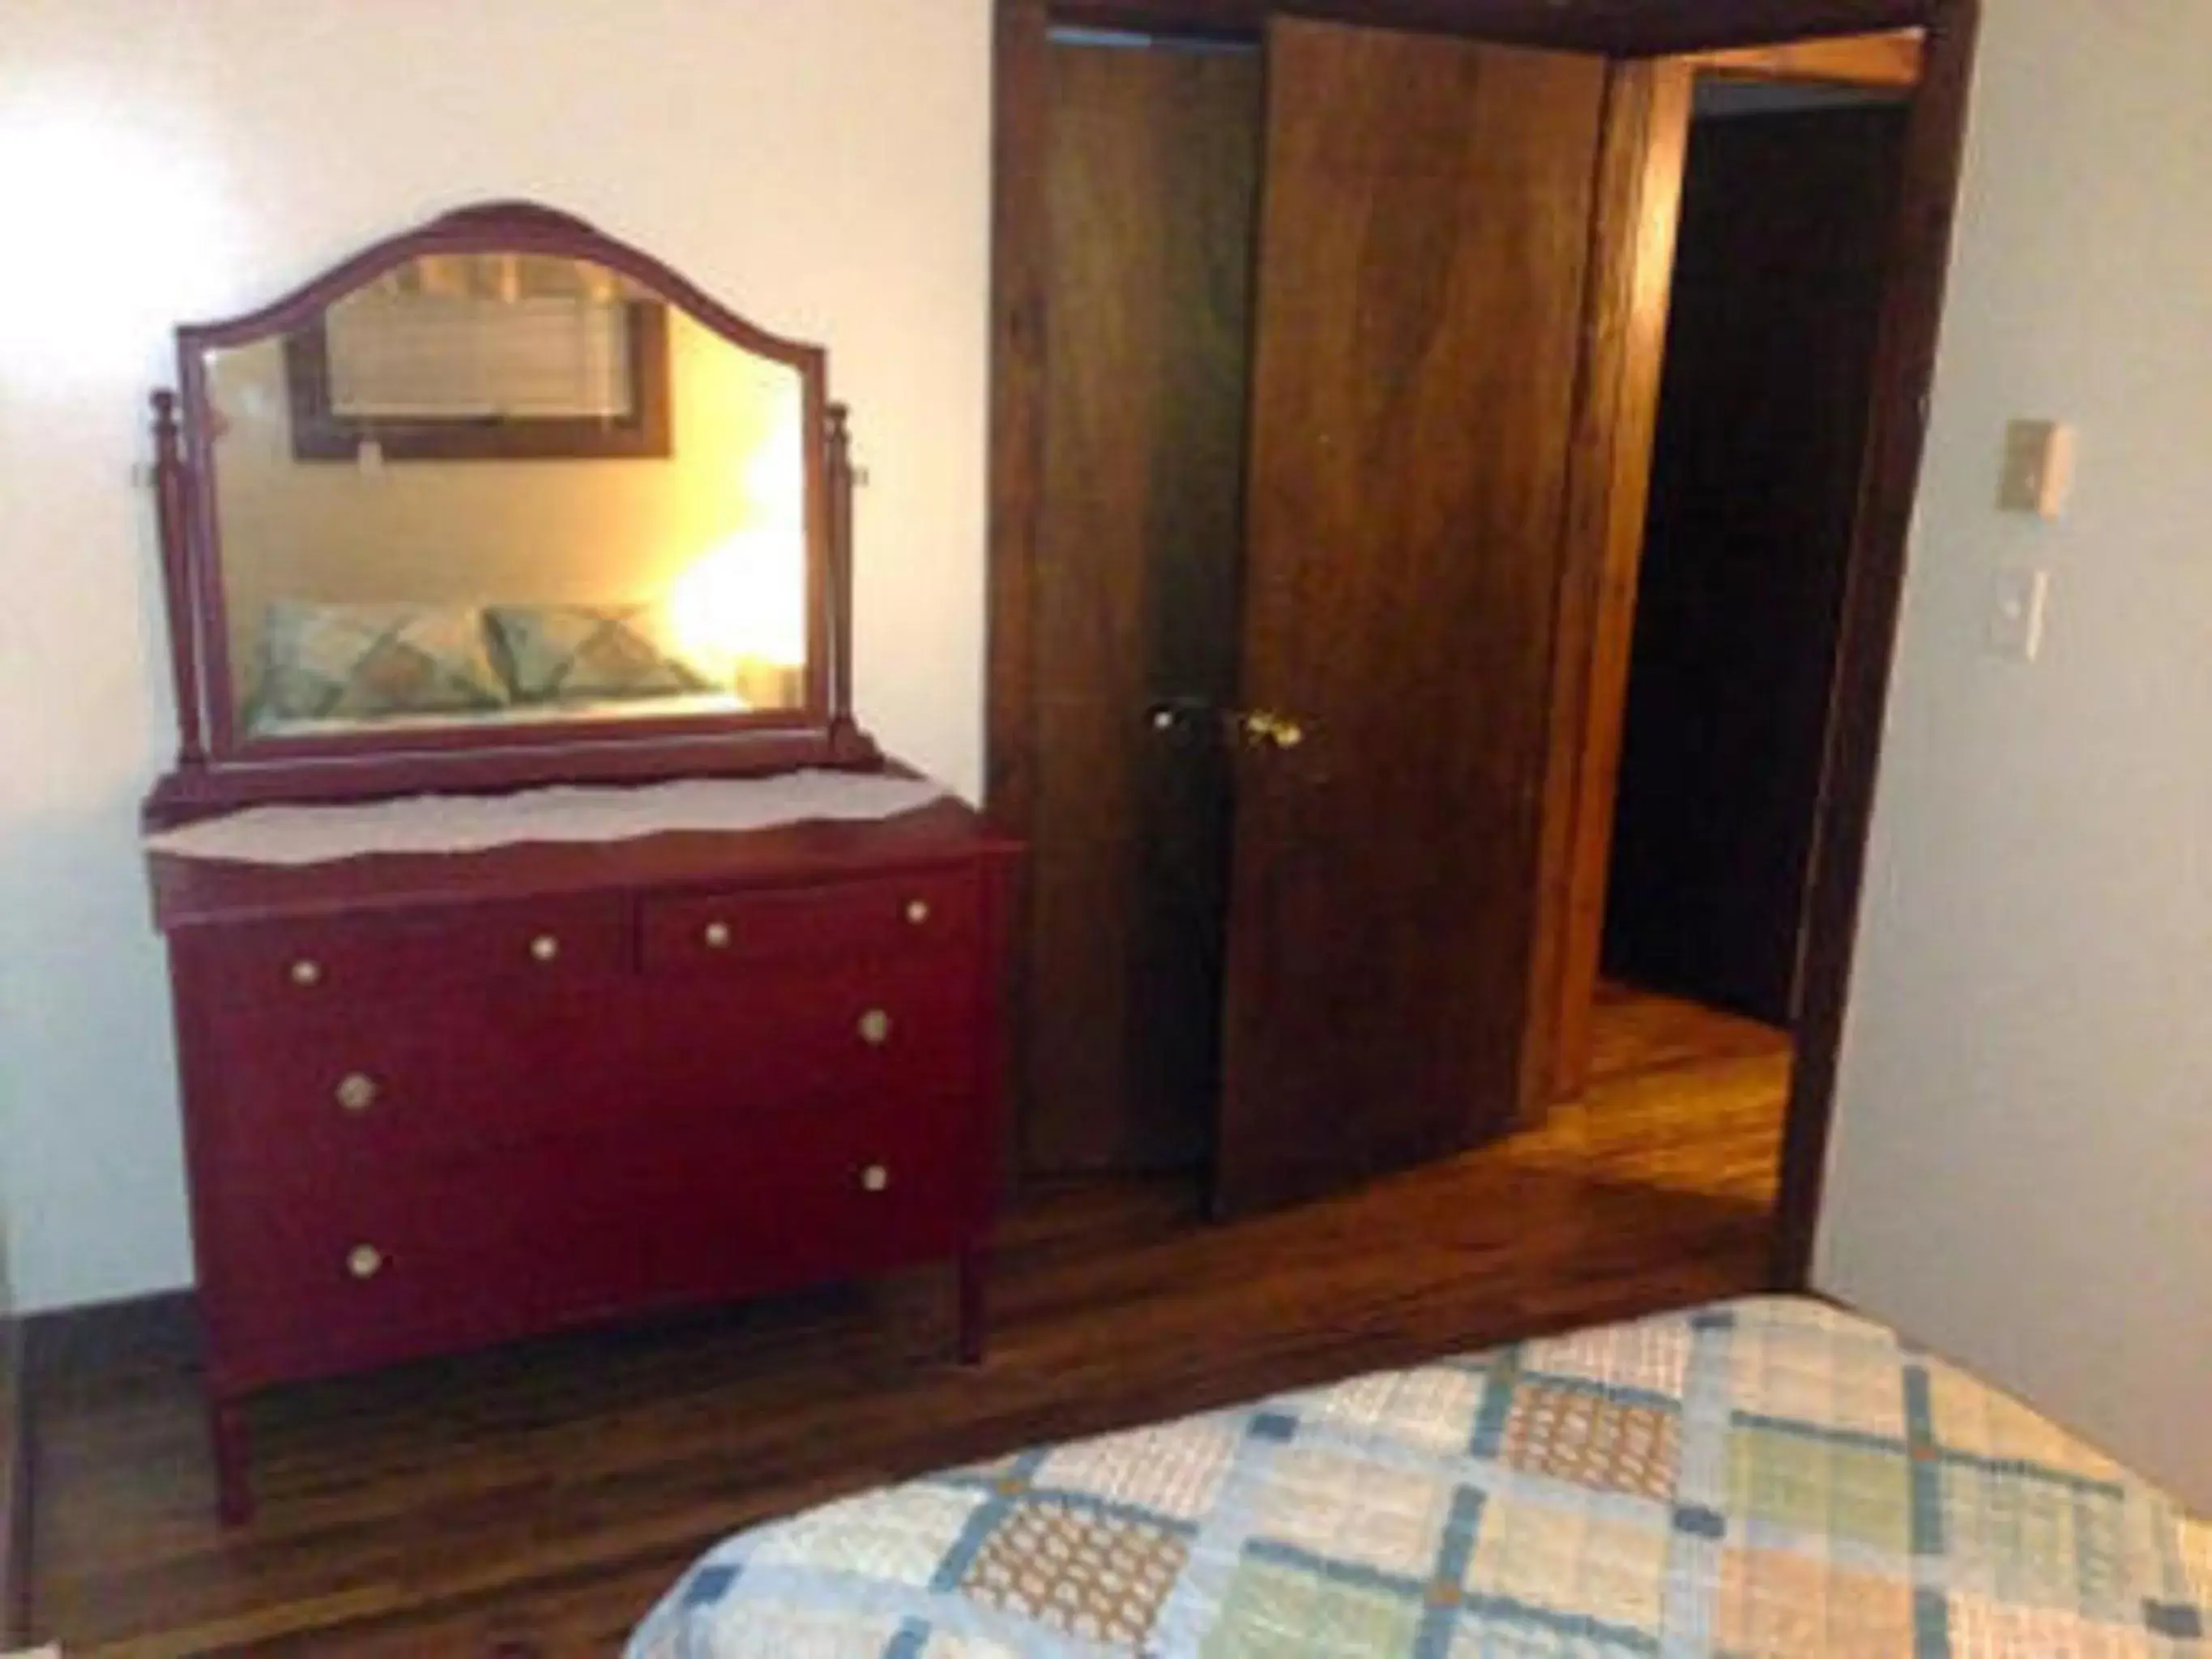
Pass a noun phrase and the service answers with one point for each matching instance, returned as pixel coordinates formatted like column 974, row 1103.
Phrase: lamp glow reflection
column 744, row 599
column 740, row 609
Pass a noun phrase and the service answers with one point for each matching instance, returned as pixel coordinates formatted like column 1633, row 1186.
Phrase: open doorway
column 1127, row 252
column 1789, row 193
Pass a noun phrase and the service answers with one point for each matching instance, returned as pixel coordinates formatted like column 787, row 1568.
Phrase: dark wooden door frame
column 1599, row 616
column 1700, row 811
column 1903, row 373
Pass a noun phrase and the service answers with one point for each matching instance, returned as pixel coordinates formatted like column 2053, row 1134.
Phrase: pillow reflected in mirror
column 553, row 653
column 339, row 662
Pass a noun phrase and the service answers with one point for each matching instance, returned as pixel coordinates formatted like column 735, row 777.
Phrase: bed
column 1766, row 1476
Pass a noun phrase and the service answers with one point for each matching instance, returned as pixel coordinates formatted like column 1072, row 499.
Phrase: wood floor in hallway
column 535, row 1500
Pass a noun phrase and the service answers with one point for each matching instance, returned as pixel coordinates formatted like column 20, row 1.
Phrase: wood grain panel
column 1426, row 235
column 1785, row 225
column 1890, row 60
column 1889, row 482
column 1020, row 117
column 1647, row 133
column 1150, row 186
column 1627, row 27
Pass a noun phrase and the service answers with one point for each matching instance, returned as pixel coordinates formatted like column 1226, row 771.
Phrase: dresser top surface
column 190, row 892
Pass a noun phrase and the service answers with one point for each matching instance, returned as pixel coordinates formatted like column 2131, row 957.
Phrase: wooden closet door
column 1426, row 231
column 1151, row 173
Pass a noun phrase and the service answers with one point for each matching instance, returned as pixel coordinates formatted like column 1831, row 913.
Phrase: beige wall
column 2023, row 1168
column 512, row 533
column 824, row 164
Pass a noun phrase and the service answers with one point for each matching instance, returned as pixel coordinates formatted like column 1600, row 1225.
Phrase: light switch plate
column 2014, row 627
column 2039, row 468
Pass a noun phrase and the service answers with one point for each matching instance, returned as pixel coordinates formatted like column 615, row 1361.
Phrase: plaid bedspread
column 1756, row 1477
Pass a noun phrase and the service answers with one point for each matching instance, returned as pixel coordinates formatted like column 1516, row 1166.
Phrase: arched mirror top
column 491, row 228
column 499, row 500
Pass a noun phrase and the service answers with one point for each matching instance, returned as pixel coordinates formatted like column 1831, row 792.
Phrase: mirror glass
column 506, row 487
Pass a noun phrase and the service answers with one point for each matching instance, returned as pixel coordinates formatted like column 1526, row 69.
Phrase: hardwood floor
column 535, row 1501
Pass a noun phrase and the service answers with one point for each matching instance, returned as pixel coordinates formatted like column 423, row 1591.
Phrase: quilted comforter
column 1756, row 1477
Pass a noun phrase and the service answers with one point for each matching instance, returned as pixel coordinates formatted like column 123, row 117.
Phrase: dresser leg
column 234, row 1485
column 974, row 1267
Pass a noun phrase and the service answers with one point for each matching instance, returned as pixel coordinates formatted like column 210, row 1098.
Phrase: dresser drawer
column 307, row 1279
column 890, row 916
column 329, row 965
column 800, row 1040
column 323, row 1094
column 345, row 1093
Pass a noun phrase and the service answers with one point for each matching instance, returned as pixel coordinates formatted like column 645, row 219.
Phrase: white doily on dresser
column 472, row 823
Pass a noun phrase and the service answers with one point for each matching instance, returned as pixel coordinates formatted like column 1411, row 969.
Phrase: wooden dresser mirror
column 499, row 501
column 498, row 504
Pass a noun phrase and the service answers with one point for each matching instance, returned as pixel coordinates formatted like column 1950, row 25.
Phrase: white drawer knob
column 356, row 1091
column 307, row 972
column 917, row 911
column 364, row 1262
column 717, row 936
column 875, row 1178
column 546, row 947
column 875, row 1027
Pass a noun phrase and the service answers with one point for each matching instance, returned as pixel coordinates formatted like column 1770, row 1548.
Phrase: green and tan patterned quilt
column 1757, row 1477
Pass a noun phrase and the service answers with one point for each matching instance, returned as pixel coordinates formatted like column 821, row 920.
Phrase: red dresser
column 432, row 1102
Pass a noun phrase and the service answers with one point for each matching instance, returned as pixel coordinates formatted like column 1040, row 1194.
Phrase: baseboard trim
column 110, row 1339
column 15, row 1489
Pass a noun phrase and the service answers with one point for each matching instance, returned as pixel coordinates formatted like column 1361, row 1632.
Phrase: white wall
column 823, row 164
column 2023, row 1168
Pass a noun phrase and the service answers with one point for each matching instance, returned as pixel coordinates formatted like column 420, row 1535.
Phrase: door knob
column 1183, row 717
column 1263, row 727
